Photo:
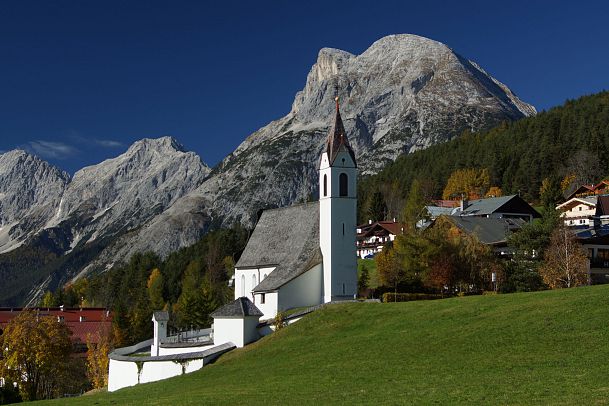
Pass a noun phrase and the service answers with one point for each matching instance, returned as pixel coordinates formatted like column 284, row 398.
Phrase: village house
column 493, row 232
column 600, row 188
column 578, row 211
column 595, row 238
column 512, row 206
column 372, row 237
column 84, row 323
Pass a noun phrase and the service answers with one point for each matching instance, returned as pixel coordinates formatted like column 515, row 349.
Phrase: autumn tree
column 471, row 182
column 155, row 289
column 494, row 191
column 35, row 353
column 98, row 349
column 390, row 273
column 566, row 261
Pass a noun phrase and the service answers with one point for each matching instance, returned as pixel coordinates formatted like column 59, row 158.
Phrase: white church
column 304, row 255
column 298, row 256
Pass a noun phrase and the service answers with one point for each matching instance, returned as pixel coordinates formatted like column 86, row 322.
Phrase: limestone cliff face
column 403, row 93
column 30, row 191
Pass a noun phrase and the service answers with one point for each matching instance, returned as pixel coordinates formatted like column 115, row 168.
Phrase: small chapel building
column 305, row 255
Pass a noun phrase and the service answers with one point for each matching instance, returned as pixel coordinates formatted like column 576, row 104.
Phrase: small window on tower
column 343, row 228
column 343, row 182
column 343, row 288
column 262, row 298
column 325, row 185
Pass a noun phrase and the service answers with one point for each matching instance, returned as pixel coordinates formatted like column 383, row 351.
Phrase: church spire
column 337, row 138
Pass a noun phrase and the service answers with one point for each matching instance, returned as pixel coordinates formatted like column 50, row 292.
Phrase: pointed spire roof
column 337, row 138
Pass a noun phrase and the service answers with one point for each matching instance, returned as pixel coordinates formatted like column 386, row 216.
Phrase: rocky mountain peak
column 30, row 189
column 161, row 144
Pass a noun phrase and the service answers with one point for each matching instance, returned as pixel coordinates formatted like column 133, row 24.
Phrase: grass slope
column 534, row 348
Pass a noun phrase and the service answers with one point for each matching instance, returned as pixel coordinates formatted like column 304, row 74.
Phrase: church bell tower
column 337, row 214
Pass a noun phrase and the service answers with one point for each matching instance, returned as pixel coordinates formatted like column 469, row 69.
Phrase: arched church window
column 343, row 183
column 242, row 285
column 264, row 277
column 325, row 185
column 254, row 281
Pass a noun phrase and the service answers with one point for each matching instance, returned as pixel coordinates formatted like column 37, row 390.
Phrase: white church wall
column 228, row 330
column 250, row 332
column 305, row 290
column 127, row 373
column 269, row 307
column 122, row 374
column 155, row 371
column 246, row 279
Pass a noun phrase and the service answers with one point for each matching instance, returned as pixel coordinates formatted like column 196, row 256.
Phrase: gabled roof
column 391, row 227
column 490, row 231
column 583, row 189
column 588, row 200
column 503, row 204
column 602, row 184
column 286, row 238
column 160, row 316
column 337, row 139
column 242, row 307
column 436, row 211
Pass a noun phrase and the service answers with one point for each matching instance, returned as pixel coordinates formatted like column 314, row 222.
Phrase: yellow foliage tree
column 471, row 182
column 567, row 182
column 155, row 289
column 97, row 356
column 566, row 261
column 494, row 191
column 35, row 353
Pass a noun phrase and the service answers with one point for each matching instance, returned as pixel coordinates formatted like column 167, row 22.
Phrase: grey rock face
column 124, row 193
column 402, row 94
column 30, row 191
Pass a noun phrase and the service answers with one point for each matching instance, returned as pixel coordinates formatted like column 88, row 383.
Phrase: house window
column 343, row 183
column 242, row 285
column 325, row 185
column 581, row 221
column 580, row 208
column 262, row 298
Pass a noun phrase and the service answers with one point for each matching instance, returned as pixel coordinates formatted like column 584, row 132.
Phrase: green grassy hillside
column 535, row 348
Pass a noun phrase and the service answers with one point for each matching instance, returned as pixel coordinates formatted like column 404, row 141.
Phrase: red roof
column 82, row 322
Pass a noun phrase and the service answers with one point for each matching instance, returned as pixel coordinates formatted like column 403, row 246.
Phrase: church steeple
column 337, row 138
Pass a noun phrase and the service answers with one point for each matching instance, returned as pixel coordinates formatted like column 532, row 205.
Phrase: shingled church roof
column 337, row 138
column 287, row 239
column 241, row 307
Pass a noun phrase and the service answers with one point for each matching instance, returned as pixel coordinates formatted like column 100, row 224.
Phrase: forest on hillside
column 566, row 142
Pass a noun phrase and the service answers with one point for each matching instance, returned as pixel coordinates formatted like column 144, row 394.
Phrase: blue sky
column 81, row 80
